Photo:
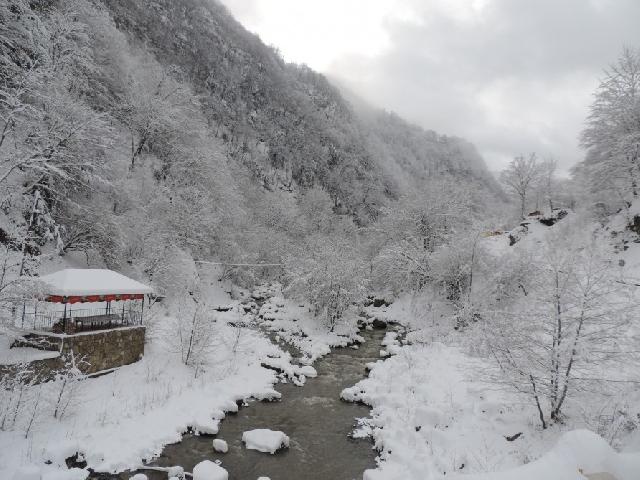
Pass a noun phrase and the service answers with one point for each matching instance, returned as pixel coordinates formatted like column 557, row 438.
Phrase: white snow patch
column 12, row 356
column 28, row 473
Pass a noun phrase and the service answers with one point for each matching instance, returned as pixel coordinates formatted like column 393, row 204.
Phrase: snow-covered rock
column 265, row 440
column 220, row 446
column 139, row 476
column 264, row 478
column 176, row 471
column 307, row 371
column 208, row 470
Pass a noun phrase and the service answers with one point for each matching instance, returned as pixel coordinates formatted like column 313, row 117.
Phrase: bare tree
column 520, row 177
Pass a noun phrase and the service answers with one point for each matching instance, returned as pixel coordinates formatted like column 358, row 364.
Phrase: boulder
column 379, row 324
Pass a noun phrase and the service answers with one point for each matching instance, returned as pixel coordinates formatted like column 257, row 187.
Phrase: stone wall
column 106, row 349
column 93, row 351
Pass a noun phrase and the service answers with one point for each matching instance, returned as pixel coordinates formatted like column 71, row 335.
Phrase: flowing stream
column 313, row 416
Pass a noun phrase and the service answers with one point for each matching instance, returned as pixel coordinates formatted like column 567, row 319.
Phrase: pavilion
column 107, row 300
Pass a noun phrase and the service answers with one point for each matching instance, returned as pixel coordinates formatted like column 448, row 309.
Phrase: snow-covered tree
column 409, row 231
column 548, row 181
column 553, row 333
column 612, row 135
column 520, row 177
column 329, row 274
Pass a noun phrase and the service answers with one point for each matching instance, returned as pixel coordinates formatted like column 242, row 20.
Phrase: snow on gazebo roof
column 91, row 281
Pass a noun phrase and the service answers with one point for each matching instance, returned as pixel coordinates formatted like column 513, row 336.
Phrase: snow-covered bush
column 330, row 276
column 191, row 332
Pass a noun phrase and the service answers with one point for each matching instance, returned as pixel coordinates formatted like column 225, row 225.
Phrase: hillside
column 190, row 138
column 284, row 121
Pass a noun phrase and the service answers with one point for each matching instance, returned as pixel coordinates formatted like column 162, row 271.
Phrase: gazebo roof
column 90, row 281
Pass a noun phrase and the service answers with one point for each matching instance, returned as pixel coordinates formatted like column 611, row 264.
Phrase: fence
column 78, row 320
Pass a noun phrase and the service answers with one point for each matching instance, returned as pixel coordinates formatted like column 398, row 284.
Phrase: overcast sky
column 512, row 76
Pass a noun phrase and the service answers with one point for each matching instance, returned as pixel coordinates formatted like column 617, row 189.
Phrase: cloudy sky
column 512, row 76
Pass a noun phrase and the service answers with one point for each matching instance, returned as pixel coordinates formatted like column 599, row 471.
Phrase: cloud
column 512, row 76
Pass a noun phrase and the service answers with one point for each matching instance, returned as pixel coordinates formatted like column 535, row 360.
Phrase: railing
column 79, row 320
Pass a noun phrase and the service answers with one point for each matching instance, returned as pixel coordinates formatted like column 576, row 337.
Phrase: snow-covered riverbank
column 438, row 413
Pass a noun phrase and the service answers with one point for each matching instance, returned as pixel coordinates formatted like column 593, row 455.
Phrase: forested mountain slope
column 286, row 121
column 146, row 134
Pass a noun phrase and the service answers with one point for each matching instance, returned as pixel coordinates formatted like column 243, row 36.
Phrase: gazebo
column 98, row 287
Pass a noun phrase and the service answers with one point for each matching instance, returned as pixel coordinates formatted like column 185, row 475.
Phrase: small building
column 95, row 314
column 77, row 300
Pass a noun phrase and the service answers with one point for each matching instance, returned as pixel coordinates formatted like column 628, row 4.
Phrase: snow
column 220, row 445
column 139, row 476
column 295, row 324
column 434, row 415
column 91, row 281
column 175, row 471
column 265, row 440
column 579, row 454
column 208, row 470
column 28, row 473
column 307, row 371
column 12, row 356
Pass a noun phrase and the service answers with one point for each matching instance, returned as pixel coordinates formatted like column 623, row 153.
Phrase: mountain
column 187, row 137
column 286, row 117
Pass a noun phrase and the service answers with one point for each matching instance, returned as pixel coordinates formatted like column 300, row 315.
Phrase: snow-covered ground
column 12, row 356
column 437, row 413
column 433, row 416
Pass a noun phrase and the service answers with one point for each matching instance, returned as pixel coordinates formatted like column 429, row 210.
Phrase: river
column 313, row 416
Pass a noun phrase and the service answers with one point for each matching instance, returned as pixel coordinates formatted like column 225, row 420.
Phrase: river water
column 313, row 416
